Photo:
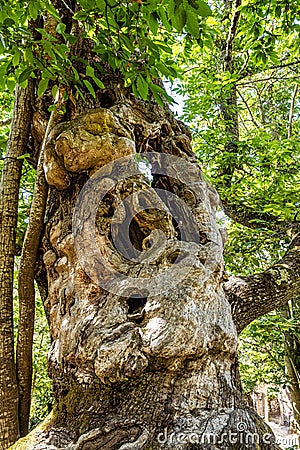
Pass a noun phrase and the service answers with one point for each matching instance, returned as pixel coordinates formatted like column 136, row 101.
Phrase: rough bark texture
column 27, row 303
column 132, row 372
column 26, row 289
column 9, row 195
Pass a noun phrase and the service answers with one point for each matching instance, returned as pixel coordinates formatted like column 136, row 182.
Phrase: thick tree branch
column 255, row 295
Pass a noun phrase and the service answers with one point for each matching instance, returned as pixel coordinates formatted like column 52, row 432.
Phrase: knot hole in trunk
column 136, row 308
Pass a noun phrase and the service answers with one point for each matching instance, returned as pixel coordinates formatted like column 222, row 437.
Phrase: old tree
column 122, row 238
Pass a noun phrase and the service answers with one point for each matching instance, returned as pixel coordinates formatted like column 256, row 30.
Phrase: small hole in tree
column 136, row 307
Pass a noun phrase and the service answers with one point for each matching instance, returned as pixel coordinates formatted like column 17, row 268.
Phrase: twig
column 292, row 110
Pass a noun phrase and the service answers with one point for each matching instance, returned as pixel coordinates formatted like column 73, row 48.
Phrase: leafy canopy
column 242, row 103
column 134, row 37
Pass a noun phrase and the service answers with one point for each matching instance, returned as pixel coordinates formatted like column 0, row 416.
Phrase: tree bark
column 26, row 289
column 9, row 193
column 150, row 366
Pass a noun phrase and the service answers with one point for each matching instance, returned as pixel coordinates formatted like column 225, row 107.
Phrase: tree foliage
column 134, row 38
column 251, row 101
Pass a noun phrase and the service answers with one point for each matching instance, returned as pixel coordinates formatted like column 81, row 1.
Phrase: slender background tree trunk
column 26, row 288
column 9, row 193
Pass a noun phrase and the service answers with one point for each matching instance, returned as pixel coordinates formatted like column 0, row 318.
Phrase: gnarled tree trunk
column 144, row 348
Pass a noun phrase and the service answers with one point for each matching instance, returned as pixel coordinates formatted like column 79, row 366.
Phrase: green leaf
column 49, row 36
column 166, row 48
column 153, row 23
column 71, row 39
column 16, row 58
column 127, row 43
column 29, row 56
column 24, row 84
column 43, row 84
column 168, row 97
column 52, row 108
column 51, row 10
column 90, row 88
column 9, row 22
column 164, row 18
column 2, row 43
column 61, row 28
column 76, row 74
column 192, row 23
column 80, row 15
column 170, row 8
column 26, row 155
column 274, row 57
column 25, row 74
column 33, row 10
column 61, row 50
column 156, row 88
column 143, row 87
column 134, row 90
column 79, row 92
column 168, row 71
column 194, row 4
column 159, row 90
column 179, row 19
column 203, row 10
column 98, row 82
column 101, row 5
column 11, row 83
column 278, row 11
column 54, row 90
column 90, row 72
column 158, row 99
